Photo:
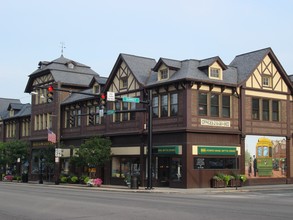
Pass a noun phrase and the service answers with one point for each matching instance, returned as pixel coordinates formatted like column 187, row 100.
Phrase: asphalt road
column 42, row 202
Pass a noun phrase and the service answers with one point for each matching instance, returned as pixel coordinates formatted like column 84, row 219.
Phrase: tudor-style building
column 65, row 74
column 201, row 109
column 203, row 113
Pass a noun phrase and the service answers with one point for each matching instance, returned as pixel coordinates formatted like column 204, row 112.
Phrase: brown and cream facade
column 203, row 113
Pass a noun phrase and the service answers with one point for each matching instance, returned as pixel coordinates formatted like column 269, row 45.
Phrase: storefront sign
column 214, row 150
column 215, row 123
column 166, row 150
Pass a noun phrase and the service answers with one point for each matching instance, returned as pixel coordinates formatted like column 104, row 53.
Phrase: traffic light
column 50, row 94
column 91, row 119
column 102, row 101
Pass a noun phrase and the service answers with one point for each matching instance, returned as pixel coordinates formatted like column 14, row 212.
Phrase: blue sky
column 95, row 32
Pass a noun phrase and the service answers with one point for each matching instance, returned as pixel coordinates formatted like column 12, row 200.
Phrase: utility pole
column 150, row 139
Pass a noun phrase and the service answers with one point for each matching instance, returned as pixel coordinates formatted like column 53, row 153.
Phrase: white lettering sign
column 207, row 122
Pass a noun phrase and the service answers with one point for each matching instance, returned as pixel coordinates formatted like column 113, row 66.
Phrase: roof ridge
column 268, row 48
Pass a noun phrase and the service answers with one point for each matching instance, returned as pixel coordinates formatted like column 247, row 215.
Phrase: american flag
column 51, row 136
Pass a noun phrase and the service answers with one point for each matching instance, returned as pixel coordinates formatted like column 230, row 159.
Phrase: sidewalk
column 171, row 190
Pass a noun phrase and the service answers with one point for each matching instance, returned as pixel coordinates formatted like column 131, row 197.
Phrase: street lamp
column 41, row 169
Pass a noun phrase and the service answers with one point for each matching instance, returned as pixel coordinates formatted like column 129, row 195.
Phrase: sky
column 94, row 32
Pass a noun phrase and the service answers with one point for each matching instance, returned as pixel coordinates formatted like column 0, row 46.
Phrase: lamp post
column 236, row 157
column 41, row 169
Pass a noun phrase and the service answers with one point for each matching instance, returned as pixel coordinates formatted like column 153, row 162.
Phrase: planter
column 234, row 183
column 218, row 183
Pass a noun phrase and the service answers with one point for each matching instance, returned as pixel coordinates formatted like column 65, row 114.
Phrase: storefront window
column 215, row 163
column 124, row 167
column 176, row 169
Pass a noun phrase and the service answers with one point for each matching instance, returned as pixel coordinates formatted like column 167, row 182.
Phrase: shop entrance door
column 164, row 171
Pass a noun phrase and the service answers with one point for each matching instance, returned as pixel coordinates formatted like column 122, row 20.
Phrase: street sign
column 111, row 96
column 110, row 112
column 130, row 99
column 58, row 152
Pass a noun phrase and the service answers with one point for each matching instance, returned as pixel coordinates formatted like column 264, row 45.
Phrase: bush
column 74, row 179
column 63, row 179
column 86, row 179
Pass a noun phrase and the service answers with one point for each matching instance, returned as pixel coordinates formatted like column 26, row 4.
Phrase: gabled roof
column 208, row 62
column 4, row 103
column 81, row 75
column 248, row 62
column 173, row 64
column 15, row 106
column 139, row 66
column 192, row 70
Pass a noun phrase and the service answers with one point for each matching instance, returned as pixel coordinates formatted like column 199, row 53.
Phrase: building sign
column 166, row 149
column 219, row 151
column 207, row 122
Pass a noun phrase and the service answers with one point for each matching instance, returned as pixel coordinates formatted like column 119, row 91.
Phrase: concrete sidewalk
column 171, row 190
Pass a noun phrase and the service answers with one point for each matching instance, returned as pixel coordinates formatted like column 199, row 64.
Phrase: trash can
column 24, row 178
column 134, row 182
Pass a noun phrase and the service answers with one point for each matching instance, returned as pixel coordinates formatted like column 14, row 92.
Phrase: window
column 96, row 89
column 266, row 81
column 215, row 163
column 125, row 115
column 132, row 107
column 123, row 82
column 117, row 115
column 155, row 107
column 265, row 110
column 275, row 108
column 164, row 74
column 214, row 105
column 164, row 105
column 226, row 106
column 215, row 73
column 269, row 109
column 125, row 167
column 173, row 104
column 255, row 109
column 202, row 104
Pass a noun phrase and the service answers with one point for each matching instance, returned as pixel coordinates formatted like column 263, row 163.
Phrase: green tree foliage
column 12, row 150
column 94, row 152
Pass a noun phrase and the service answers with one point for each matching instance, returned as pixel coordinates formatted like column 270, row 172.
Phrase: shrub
column 74, row 179
column 63, row 179
column 86, row 179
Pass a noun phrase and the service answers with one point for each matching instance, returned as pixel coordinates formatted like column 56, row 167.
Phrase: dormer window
column 96, row 89
column 164, row 74
column 70, row 65
column 215, row 73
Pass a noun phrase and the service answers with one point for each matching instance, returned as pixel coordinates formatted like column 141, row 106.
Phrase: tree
column 16, row 149
column 11, row 151
column 94, row 152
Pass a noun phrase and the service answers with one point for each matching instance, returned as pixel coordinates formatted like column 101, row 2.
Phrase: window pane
column 275, row 113
column 174, row 104
column 214, row 105
column 255, row 109
column 266, row 110
column 155, row 107
column 164, row 105
column 202, row 104
column 225, row 106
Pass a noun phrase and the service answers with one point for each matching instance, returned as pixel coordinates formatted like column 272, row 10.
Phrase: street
column 42, row 202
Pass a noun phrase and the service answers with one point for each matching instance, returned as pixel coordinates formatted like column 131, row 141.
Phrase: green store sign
column 166, row 150
column 219, row 151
